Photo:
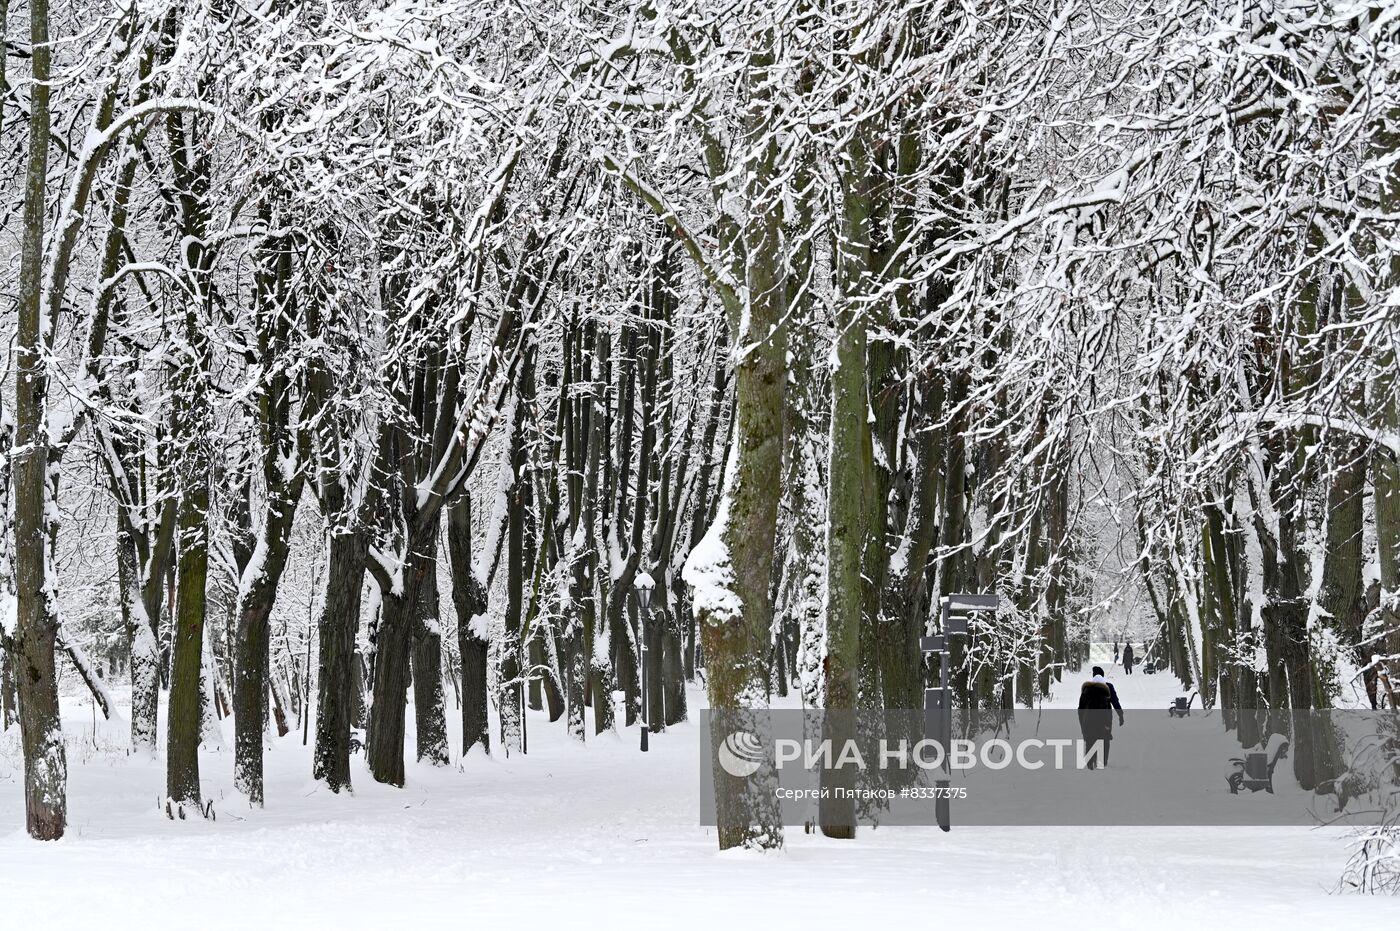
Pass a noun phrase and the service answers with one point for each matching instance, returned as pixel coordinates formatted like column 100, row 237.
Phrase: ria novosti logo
column 741, row 754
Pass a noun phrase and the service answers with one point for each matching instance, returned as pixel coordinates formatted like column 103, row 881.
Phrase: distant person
column 1115, row 650
column 1128, row 660
column 1098, row 699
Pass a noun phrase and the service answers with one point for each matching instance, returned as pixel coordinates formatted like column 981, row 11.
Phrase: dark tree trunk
column 183, row 720
column 535, row 656
column 192, row 420
column 429, row 709
column 671, row 680
column 511, row 690
column 277, row 310
column 469, row 600
column 340, row 703
column 392, row 643
column 250, row 686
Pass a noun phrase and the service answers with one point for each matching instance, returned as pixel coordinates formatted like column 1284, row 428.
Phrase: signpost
column 938, row 702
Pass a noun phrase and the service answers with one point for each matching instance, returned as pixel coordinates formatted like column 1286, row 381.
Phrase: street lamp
column 938, row 702
column 644, row 584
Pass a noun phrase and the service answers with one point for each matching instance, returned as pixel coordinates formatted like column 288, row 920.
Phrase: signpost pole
column 938, row 702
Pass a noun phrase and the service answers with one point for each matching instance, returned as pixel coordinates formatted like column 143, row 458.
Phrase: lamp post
column 644, row 584
column 938, row 702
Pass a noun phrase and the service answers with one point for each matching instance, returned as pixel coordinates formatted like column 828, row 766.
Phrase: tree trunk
column 250, row 683
column 429, row 709
column 183, row 721
column 31, row 651
column 142, row 645
column 901, row 622
column 9, row 702
column 392, row 641
column 338, row 702
column 596, row 634
column 673, row 671
column 731, row 571
column 851, row 513
column 469, row 600
column 511, row 688
column 260, row 571
column 1342, row 593
column 1385, row 475
column 535, row 657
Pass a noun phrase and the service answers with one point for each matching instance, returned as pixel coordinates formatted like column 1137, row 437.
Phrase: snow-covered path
column 602, row 836
column 1139, row 691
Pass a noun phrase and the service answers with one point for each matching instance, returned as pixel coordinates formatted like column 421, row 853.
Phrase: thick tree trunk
column 32, row 648
column 183, row 729
column 469, row 600
column 429, row 709
column 394, row 632
column 852, row 515
column 250, row 684
column 191, row 426
column 392, row 642
column 339, row 705
column 1218, row 614
column 731, row 570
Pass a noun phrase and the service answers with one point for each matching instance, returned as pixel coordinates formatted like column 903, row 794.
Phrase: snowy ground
column 602, row 836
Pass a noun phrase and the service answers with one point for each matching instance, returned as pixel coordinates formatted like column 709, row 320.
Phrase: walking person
column 1098, row 699
column 1115, row 650
column 1128, row 659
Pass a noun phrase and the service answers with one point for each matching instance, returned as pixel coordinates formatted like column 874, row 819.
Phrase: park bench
column 1181, row 707
column 1255, row 771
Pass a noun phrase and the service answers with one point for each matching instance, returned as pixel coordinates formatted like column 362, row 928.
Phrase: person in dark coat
column 1128, row 660
column 1098, row 699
